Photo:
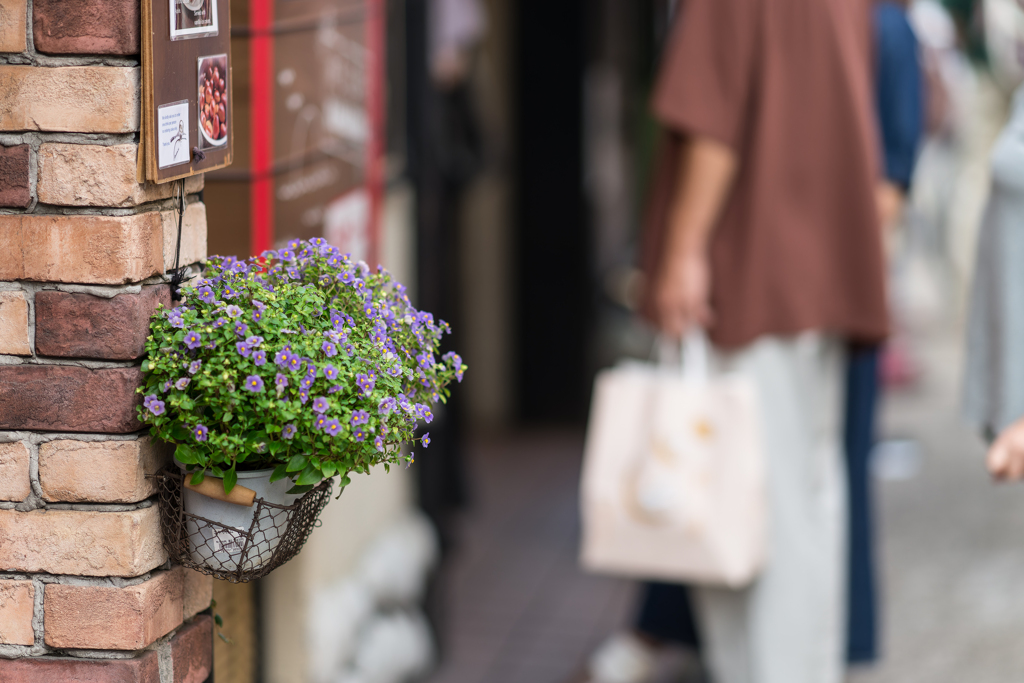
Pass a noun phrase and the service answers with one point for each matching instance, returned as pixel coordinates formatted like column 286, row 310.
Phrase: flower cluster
column 303, row 359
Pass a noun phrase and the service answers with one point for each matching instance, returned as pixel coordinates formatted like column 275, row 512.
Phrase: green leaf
column 184, row 454
column 179, row 433
column 297, row 463
column 198, row 477
column 230, row 478
column 217, row 472
column 280, row 472
column 217, row 620
column 299, row 489
column 310, row 475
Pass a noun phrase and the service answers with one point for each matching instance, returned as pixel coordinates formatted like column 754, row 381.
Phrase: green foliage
column 301, row 360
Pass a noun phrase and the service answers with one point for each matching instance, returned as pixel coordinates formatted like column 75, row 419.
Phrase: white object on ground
column 336, row 616
column 396, row 564
column 622, row 658
column 393, row 648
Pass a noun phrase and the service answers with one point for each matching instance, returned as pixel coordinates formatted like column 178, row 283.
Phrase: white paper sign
column 347, row 223
column 172, row 137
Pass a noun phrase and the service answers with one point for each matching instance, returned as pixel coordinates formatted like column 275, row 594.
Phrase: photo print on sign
column 213, row 101
column 193, row 18
column 172, row 134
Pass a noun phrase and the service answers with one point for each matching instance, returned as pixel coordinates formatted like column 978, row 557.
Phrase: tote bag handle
column 692, row 353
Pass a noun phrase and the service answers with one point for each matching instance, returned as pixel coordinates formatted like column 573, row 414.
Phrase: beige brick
column 197, row 591
column 193, row 235
column 12, row 25
column 14, row 481
column 82, row 543
column 106, row 250
column 94, row 175
column 111, row 617
column 17, row 600
column 100, row 471
column 14, row 324
column 83, row 99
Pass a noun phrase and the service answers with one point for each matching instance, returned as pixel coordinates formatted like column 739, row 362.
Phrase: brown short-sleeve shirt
column 788, row 85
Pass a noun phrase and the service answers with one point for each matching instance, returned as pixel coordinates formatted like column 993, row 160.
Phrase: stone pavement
column 952, row 551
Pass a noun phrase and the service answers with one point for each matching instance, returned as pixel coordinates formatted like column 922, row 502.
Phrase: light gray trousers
column 789, row 625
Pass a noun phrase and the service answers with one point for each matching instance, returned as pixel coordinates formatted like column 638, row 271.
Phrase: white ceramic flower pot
column 222, row 547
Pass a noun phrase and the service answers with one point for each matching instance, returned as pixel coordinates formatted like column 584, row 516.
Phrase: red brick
column 192, row 651
column 14, row 324
column 98, row 471
column 87, row 326
column 62, row 398
column 14, row 175
column 75, row 99
column 82, row 542
column 14, row 466
column 197, row 589
column 98, row 27
column 17, row 603
column 142, row 669
column 111, row 617
column 13, row 14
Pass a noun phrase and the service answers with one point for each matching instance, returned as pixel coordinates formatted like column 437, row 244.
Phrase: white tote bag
column 673, row 483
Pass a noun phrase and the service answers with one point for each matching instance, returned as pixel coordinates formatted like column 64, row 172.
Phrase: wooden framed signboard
column 187, row 103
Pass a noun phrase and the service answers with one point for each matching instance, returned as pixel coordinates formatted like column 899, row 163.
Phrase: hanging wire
column 178, row 272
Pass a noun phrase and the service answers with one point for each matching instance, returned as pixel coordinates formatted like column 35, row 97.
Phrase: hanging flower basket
column 273, row 376
column 275, row 532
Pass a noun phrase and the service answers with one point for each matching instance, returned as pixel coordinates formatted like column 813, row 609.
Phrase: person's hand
column 1006, row 456
column 682, row 294
column 889, row 199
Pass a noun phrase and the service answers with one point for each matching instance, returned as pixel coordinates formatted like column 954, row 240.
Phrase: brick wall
column 86, row 591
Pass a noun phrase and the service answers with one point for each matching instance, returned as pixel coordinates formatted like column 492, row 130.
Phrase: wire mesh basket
column 275, row 535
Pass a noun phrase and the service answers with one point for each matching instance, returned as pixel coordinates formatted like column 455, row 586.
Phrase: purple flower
column 243, row 350
column 259, row 358
column 306, row 382
column 232, row 310
column 281, row 358
column 156, row 406
column 426, row 440
column 359, row 433
column 359, row 285
column 258, row 304
column 200, row 432
column 366, row 383
column 240, row 267
column 294, row 273
column 456, row 361
column 320, row 405
column 346, row 276
column 148, row 400
column 311, row 369
column 286, row 255
column 254, row 383
column 425, row 360
column 330, row 372
column 281, row 381
column 193, row 340
column 378, row 443
column 220, row 322
column 350, row 350
column 194, row 366
column 329, row 349
column 230, row 293
column 241, row 329
column 386, row 405
column 205, row 295
column 335, row 389
column 182, row 383
column 423, row 412
column 359, row 417
column 294, row 362
column 269, row 254
column 332, row 427
column 166, row 386
column 174, row 317
column 303, row 396
column 320, row 421
column 288, row 431
column 257, row 315
column 254, row 341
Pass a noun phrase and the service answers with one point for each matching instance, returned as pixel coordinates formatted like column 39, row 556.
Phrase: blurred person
column 994, row 371
column 773, row 245
column 900, row 107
